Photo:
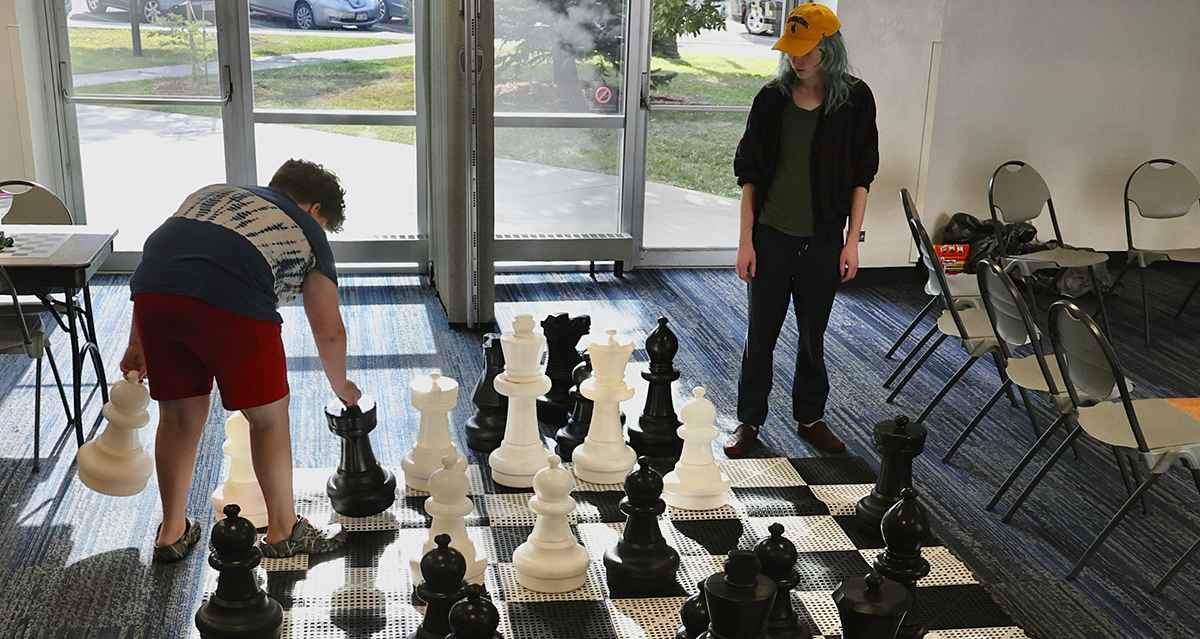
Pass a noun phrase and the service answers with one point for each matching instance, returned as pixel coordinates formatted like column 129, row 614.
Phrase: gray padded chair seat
column 1165, row 425
column 964, row 288
column 1144, row 257
column 978, row 326
column 1055, row 258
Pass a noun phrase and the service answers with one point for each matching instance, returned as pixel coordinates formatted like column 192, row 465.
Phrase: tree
column 673, row 18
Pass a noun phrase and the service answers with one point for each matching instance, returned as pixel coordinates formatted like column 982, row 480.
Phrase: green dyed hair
column 835, row 65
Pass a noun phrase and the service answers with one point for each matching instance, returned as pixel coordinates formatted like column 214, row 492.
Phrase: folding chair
column 963, row 287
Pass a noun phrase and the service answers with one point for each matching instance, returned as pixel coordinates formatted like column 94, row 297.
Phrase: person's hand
column 746, row 262
column 348, row 393
column 848, row 263
column 134, row 360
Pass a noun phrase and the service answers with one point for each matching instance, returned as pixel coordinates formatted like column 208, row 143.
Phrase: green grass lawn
column 94, row 50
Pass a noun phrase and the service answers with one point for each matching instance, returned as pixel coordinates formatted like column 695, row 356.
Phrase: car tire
column 755, row 21
column 385, row 12
column 95, row 6
column 149, row 10
column 303, row 16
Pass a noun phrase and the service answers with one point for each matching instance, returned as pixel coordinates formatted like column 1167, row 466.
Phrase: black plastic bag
column 980, row 235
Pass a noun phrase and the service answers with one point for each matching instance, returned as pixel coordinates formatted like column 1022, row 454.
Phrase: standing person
column 805, row 163
column 205, row 300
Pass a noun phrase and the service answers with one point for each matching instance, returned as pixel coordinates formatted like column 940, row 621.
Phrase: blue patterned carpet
column 74, row 563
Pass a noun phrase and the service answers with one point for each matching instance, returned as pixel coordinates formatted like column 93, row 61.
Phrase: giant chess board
column 365, row 591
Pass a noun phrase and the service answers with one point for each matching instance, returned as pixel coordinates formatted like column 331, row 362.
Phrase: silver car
column 313, row 14
column 149, row 10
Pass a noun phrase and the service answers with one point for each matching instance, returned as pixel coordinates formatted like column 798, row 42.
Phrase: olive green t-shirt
column 788, row 207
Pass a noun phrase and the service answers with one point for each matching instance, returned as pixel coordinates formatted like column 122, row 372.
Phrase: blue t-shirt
column 245, row 249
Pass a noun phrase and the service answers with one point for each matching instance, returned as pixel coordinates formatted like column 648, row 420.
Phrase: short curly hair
column 309, row 183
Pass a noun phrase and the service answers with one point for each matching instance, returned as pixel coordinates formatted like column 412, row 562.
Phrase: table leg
column 76, row 362
column 93, row 343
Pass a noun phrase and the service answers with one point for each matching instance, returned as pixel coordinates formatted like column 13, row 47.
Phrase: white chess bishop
column 115, row 463
column 604, row 457
column 696, row 483
column 551, row 560
column 434, row 396
column 522, row 453
column 241, row 486
column 449, row 505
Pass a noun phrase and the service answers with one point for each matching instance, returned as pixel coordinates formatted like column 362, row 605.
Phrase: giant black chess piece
column 239, row 609
column 898, row 442
column 576, row 430
column 905, row 529
column 871, row 607
column 360, row 486
column 474, row 617
column 694, row 615
column 485, row 429
column 739, row 599
column 562, row 339
column 442, row 584
column 654, row 434
column 778, row 557
column 641, row 562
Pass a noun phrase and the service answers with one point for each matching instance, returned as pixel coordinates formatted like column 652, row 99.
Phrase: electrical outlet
column 862, row 236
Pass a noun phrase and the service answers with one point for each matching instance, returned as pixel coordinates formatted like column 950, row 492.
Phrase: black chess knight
column 239, row 609
column 641, row 562
column 485, row 429
column 562, row 341
column 654, row 434
column 360, row 486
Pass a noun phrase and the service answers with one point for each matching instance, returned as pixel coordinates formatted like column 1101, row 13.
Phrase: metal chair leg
column 37, row 416
column 1001, row 369
column 915, row 367
column 911, row 354
column 1029, row 411
column 975, row 421
column 1020, row 467
column 1145, row 306
column 1136, row 477
column 1062, row 448
column 908, row 331
column 945, row 389
column 1112, row 524
column 1187, row 299
column 1100, row 297
column 1162, row 583
column 1125, row 479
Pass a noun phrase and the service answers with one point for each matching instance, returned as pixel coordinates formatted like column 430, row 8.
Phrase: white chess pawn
column 551, row 560
column 114, row 463
column 604, row 457
column 241, row 486
column 448, row 505
column 434, row 396
column 522, row 453
column 696, row 483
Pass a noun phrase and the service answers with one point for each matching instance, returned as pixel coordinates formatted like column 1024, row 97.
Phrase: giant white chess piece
column 241, row 486
column 435, row 396
column 448, row 505
column 696, row 483
column 522, row 454
column 604, row 457
column 551, row 560
column 114, row 463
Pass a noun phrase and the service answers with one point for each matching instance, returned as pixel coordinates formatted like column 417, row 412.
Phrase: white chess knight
column 241, row 486
column 696, row 483
column 522, row 454
column 604, row 457
column 551, row 560
column 114, row 463
column 448, row 505
column 435, row 396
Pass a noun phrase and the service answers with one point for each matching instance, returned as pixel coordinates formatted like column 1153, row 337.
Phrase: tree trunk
column 566, row 77
column 665, row 47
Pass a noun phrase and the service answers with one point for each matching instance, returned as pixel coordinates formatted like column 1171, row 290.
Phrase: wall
column 16, row 146
column 1083, row 90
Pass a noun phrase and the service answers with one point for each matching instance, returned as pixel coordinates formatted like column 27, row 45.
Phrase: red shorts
column 187, row 342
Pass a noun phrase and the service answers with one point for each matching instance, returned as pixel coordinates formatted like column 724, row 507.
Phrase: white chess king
column 241, row 487
column 522, row 454
column 434, row 396
column 114, row 463
column 696, row 483
column 551, row 560
column 604, row 457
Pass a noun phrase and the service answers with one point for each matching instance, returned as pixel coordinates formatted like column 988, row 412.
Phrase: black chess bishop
column 655, row 432
column 778, row 557
column 905, row 528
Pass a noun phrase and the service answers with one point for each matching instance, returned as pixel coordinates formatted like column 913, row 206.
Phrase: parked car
column 758, row 16
column 149, row 10
column 314, row 14
column 396, row 10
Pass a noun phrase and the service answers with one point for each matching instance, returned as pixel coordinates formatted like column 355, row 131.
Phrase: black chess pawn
column 655, row 433
column 898, row 442
column 442, row 569
column 239, row 609
column 576, row 430
column 778, row 557
column 739, row 599
column 485, row 429
column 905, row 528
column 871, row 607
column 694, row 615
column 360, row 486
column 474, row 617
column 562, row 339
column 641, row 562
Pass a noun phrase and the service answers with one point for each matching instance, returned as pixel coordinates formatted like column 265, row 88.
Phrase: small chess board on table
column 366, row 591
column 34, row 245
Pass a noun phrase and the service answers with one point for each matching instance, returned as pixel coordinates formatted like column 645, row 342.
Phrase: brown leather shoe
column 742, row 440
column 820, row 436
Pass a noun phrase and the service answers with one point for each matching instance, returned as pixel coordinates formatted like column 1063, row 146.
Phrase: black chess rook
column 694, row 615
column 475, row 616
column 778, row 554
column 898, row 442
column 562, row 340
column 442, row 585
column 871, row 607
column 239, row 609
column 905, row 528
column 360, row 486
column 485, row 429
column 739, row 599
column 655, row 433
column 641, row 562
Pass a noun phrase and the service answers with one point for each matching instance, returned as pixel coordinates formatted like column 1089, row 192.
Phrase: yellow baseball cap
column 806, row 25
